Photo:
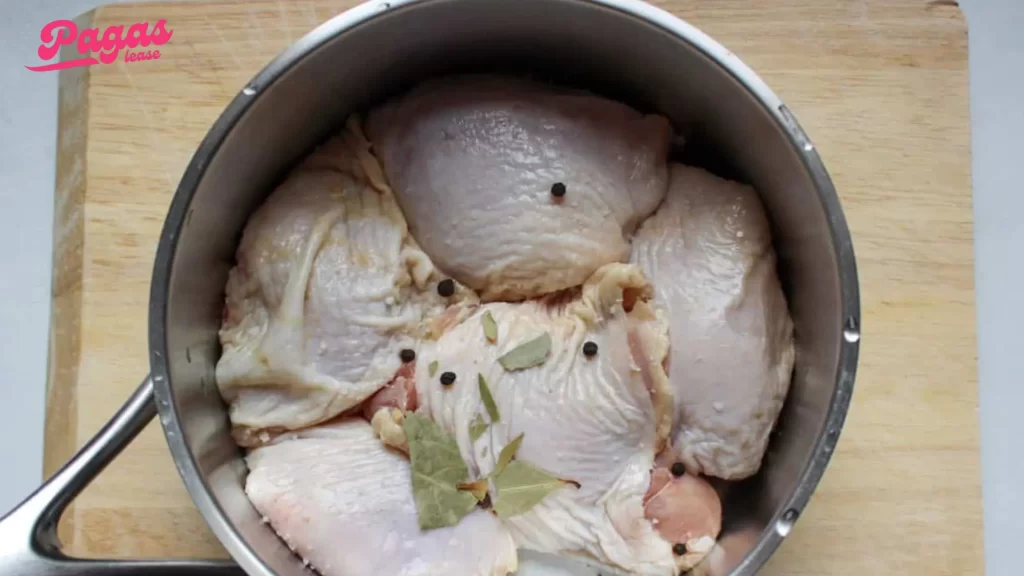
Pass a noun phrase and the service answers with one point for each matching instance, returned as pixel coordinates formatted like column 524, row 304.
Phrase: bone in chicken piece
column 344, row 503
column 686, row 510
column 597, row 420
column 708, row 252
column 477, row 164
column 329, row 287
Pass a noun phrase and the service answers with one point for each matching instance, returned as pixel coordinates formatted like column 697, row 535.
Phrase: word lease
column 107, row 45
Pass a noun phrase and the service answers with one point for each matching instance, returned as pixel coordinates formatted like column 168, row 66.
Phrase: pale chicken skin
column 593, row 420
column 344, row 503
column 477, row 164
column 328, row 289
column 708, row 253
column 553, row 213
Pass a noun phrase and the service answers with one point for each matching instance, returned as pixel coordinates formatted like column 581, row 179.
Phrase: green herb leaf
column 528, row 355
column 477, row 428
column 437, row 470
column 488, row 400
column 507, row 454
column 432, row 368
column 490, row 327
column 478, row 489
column 521, row 486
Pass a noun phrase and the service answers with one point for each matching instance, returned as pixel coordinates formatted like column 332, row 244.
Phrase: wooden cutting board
column 880, row 85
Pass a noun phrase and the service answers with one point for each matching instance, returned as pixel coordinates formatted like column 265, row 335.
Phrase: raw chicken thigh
column 345, row 504
column 477, row 164
column 618, row 357
column 597, row 420
column 329, row 287
column 708, row 253
column 685, row 509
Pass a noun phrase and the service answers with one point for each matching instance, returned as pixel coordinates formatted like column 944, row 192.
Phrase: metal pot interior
column 618, row 48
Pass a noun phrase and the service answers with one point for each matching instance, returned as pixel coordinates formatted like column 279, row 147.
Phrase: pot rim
column 824, row 445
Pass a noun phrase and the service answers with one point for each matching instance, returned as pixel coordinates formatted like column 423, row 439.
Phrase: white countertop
column 28, row 125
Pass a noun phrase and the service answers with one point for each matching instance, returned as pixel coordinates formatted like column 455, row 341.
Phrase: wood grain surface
column 880, row 85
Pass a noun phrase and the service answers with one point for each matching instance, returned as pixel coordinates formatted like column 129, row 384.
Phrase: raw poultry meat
column 708, row 253
column 477, row 164
column 655, row 372
column 597, row 420
column 328, row 289
column 344, row 503
column 684, row 509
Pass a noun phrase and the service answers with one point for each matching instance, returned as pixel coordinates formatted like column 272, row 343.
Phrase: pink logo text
column 107, row 46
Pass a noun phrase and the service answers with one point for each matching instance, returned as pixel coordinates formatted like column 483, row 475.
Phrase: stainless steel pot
column 622, row 48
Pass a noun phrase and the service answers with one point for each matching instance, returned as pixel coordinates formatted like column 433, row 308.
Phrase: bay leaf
column 507, row 454
column 478, row 489
column 477, row 428
column 528, row 355
column 488, row 400
column 432, row 368
column 521, row 486
column 437, row 470
column 490, row 327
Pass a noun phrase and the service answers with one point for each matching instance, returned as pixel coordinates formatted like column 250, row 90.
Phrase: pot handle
column 28, row 534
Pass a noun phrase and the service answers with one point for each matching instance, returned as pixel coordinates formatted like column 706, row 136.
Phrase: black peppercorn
column 590, row 349
column 445, row 288
column 558, row 189
column 678, row 469
column 447, row 378
column 679, row 549
column 407, row 355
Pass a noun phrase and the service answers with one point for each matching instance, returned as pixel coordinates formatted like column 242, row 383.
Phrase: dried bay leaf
column 478, row 489
column 507, row 454
column 477, row 428
column 488, row 400
column 521, row 486
column 437, row 470
column 432, row 368
column 528, row 355
column 490, row 327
